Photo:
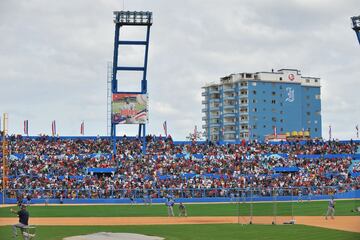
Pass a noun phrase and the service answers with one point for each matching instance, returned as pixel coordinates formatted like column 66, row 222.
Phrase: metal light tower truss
column 356, row 26
column 109, row 96
column 5, row 155
column 127, row 18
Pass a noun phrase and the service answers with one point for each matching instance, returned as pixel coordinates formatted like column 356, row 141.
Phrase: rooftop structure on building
column 253, row 105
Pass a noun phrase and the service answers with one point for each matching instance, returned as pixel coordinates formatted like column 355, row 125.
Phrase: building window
column 254, row 101
column 317, row 96
column 307, row 97
column 254, row 84
column 308, row 122
column 281, row 129
column 273, row 93
column 273, row 101
column 273, row 119
column 254, row 92
column 280, row 78
column 281, row 120
column 315, row 121
column 318, row 113
column 254, row 126
column 316, row 80
column 254, row 109
column 307, row 80
column 264, row 100
column 280, row 87
column 264, row 109
column 264, row 126
column 308, row 113
column 281, row 104
column 315, row 130
column 308, row 105
column 264, row 92
column 281, row 112
column 248, row 75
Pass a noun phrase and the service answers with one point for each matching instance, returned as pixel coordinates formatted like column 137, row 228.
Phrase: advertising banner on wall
column 129, row 108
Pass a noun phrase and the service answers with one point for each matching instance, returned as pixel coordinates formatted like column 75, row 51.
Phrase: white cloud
column 53, row 57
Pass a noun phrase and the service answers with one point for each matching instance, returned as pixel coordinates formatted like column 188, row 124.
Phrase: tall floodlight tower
column 130, row 107
column 356, row 26
column 5, row 155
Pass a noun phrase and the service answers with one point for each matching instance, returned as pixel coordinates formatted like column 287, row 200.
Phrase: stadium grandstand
column 83, row 169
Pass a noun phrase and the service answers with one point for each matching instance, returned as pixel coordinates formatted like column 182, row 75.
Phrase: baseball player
column 170, row 207
column 23, row 221
column 331, row 208
column 182, row 210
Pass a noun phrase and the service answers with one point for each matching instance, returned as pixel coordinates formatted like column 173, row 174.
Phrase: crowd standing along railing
column 187, row 195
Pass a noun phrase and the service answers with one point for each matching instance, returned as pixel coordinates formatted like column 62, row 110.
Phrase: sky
column 54, row 56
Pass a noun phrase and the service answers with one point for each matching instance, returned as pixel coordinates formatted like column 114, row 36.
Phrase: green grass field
column 316, row 208
column 198, row 232
column 185, row 232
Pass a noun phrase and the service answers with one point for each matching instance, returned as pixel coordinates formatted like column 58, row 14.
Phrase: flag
column 26, row 127
column 165, row 128
column 329, row 132
column 82, row 128
column 357, row 131
column 53, row 128
column 275, row 134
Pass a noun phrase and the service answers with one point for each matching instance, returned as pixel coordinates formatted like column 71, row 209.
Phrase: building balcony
column 229, row 97
column 214, row 100
column 243, row 87
column 229, row 123
column 212, row 91
column 204, row 101
column 243, row 104
column 204, row 94
column 229, row 114
column 215, row 116
column 214, row 108
column 229, row 131
column 213, row 124
column 228, row 90
column 229, row 106
column 204, row 110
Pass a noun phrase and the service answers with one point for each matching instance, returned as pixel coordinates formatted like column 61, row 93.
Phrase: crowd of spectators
column 53, row 167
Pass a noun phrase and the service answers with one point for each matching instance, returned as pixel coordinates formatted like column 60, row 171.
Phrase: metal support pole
column 274, row 208
column 292, row 205
column 251, row 205
column 144, row 140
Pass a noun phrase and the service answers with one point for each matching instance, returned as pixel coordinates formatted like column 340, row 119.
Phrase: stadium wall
column 346, row 195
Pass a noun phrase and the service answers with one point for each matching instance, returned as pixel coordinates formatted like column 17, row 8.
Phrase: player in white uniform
column 331, row 209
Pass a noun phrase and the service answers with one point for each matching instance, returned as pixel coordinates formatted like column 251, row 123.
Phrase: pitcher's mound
column 113, row 236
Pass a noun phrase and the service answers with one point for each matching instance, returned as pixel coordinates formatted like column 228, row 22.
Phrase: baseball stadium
column 240, row 178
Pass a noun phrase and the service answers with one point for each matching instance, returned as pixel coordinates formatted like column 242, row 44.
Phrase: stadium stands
column 83, row 168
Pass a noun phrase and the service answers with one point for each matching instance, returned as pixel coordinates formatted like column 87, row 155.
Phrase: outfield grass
column 316, row 208
column 198, row 232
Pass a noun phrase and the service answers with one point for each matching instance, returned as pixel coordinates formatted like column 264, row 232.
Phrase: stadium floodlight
column 133, row 18
column 356, row 26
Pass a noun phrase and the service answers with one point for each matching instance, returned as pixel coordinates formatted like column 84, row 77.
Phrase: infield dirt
column 345, row 223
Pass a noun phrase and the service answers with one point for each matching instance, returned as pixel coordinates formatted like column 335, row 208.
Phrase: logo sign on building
column 291, row 77
column 290, row 94
column 129, row 108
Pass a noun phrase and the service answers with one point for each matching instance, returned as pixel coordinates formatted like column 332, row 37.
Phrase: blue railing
column 185, row 195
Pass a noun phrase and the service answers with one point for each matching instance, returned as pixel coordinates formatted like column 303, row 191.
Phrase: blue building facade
column 252, row 105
